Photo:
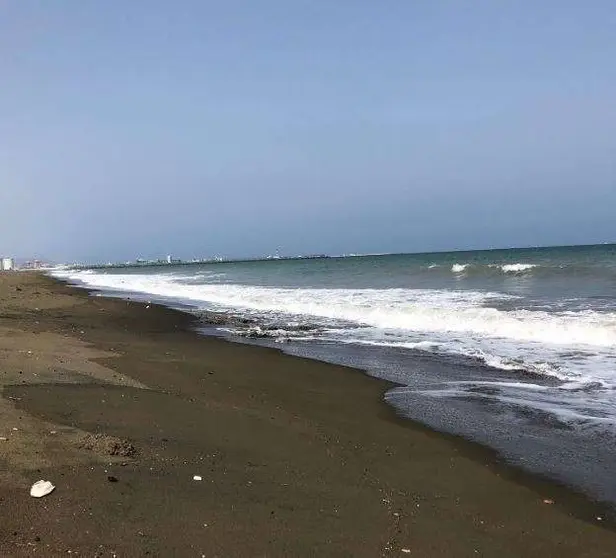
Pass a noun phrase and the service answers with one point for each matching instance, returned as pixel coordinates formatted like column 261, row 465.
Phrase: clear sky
column 239, row 127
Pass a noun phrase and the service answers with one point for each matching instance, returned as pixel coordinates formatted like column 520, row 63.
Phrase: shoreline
column 575, row 500
column 579, row 502
column 329, row 444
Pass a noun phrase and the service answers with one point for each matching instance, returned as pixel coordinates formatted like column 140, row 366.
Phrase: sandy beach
column 120, row 405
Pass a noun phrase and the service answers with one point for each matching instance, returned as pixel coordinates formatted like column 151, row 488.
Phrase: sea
column 514, row 349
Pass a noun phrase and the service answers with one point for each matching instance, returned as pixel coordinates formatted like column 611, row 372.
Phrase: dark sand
column 298, row 458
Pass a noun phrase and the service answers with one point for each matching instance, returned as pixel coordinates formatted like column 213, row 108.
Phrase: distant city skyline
column 170, row 260
column 342, row 127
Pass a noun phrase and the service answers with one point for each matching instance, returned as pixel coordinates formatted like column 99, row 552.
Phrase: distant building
column 34, row 264
column 7, row 264
column 169, row 259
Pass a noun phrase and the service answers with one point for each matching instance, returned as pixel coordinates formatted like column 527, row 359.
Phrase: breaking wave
column 516, row 268
column 569, row 345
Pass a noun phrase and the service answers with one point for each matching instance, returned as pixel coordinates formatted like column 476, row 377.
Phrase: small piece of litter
column 15, row 429
column 41, row 488
column 3, row 439
column 112, row 479
column 406, row 550
column 599, row 518
column 547, row 501
column 197, row 478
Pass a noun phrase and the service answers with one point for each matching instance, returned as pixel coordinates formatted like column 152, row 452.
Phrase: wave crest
column 490, row 268
column 517, row 267
column 566, row 344
column 459, row 268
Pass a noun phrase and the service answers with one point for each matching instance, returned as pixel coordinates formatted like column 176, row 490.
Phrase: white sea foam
column 423, row 310
column 459, row 268
column 447, row 321
column 575, row 346
column 505, row 268
column 517, row 267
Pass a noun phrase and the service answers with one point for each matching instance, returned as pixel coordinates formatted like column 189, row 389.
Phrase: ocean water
column 513, row 348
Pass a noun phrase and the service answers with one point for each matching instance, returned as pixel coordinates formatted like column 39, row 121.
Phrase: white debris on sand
column 41, row 488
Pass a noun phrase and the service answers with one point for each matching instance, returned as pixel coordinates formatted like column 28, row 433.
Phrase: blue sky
column 237, row 128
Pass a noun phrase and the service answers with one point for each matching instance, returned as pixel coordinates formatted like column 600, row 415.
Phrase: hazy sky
column 239, row 127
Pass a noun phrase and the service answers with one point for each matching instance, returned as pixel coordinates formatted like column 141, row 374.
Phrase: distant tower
column 169, row 259
column 7, row 264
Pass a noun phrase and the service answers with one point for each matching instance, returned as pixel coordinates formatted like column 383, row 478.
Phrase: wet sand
column 297, row 457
